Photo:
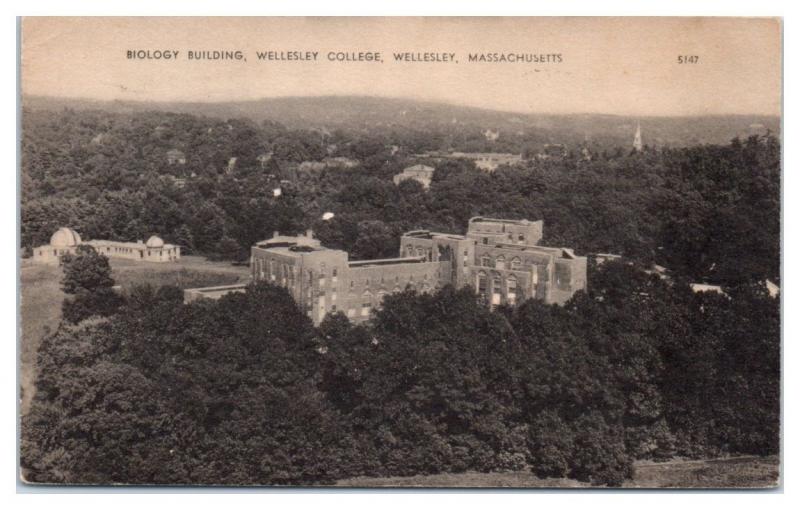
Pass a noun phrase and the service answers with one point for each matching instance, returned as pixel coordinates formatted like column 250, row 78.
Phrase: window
column 562, row 276
column 496, row 287
column 481, row 284
column 521, row 238
column 516, row 264
column 486, row 261
column 334, row 275
column 351, row 312
column 511, row 289
column 500, row 262
column 485, row 240
column 535, row 275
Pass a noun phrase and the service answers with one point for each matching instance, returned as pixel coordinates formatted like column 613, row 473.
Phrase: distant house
column 489, row 161
column 602, row 258
column 176, row 157
column 231, row 165
column 490, row 135
column 705, row 287
column 340, row 162
column 486, row 161
column 264, row 158
column 335, row 162
column 772, row 288
column 311, row 166
column 551, row 151
column 178, row 182
column 423, row 174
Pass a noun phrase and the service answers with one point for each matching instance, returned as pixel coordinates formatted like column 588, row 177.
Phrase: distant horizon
column 385, row 98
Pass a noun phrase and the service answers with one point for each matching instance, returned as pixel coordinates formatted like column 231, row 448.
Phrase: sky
column 623, row 66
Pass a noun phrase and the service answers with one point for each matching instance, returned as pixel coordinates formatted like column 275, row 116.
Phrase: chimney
column 275, row 233
column 309, row 233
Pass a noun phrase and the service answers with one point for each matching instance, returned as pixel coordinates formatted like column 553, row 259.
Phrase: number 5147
column 688, row 59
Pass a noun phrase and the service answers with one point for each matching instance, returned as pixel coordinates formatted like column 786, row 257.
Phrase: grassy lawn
column 41, row 297
column 744, row 472
column 40, row 313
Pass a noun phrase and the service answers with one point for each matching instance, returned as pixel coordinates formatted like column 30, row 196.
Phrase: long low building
column 500, row 259
column 66, row 240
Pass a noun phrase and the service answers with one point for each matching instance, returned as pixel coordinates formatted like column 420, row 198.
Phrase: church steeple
column 637, row 138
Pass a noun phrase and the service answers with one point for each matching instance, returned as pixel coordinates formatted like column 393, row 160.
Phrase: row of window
column 520, row 238
column 499, row 262
column 274, row 271
column 382, row 280
column 494, row 293
column 419, row 252
column 368, row 302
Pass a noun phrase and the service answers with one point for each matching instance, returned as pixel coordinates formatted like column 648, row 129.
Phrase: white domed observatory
column 66, row 240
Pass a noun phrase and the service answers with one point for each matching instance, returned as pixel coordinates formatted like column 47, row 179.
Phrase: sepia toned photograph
column 400, row 252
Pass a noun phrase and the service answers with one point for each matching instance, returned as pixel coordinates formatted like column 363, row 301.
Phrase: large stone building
column 500, row 259
column 65, row 240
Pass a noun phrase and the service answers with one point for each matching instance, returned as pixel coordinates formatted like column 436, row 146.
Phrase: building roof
column 483, row 219
column 155, row 242
column 124, row 244
column 419, row 168
column 427, row 234
column 65, row 237
column 705, row 287
column 385, row 262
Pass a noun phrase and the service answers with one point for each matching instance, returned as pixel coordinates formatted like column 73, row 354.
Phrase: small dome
column 65, row 237
column 155, row 242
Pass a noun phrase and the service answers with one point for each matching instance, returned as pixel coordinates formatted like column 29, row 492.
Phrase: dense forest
column 138, row 387
column 709, row 212
column 245, row 390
